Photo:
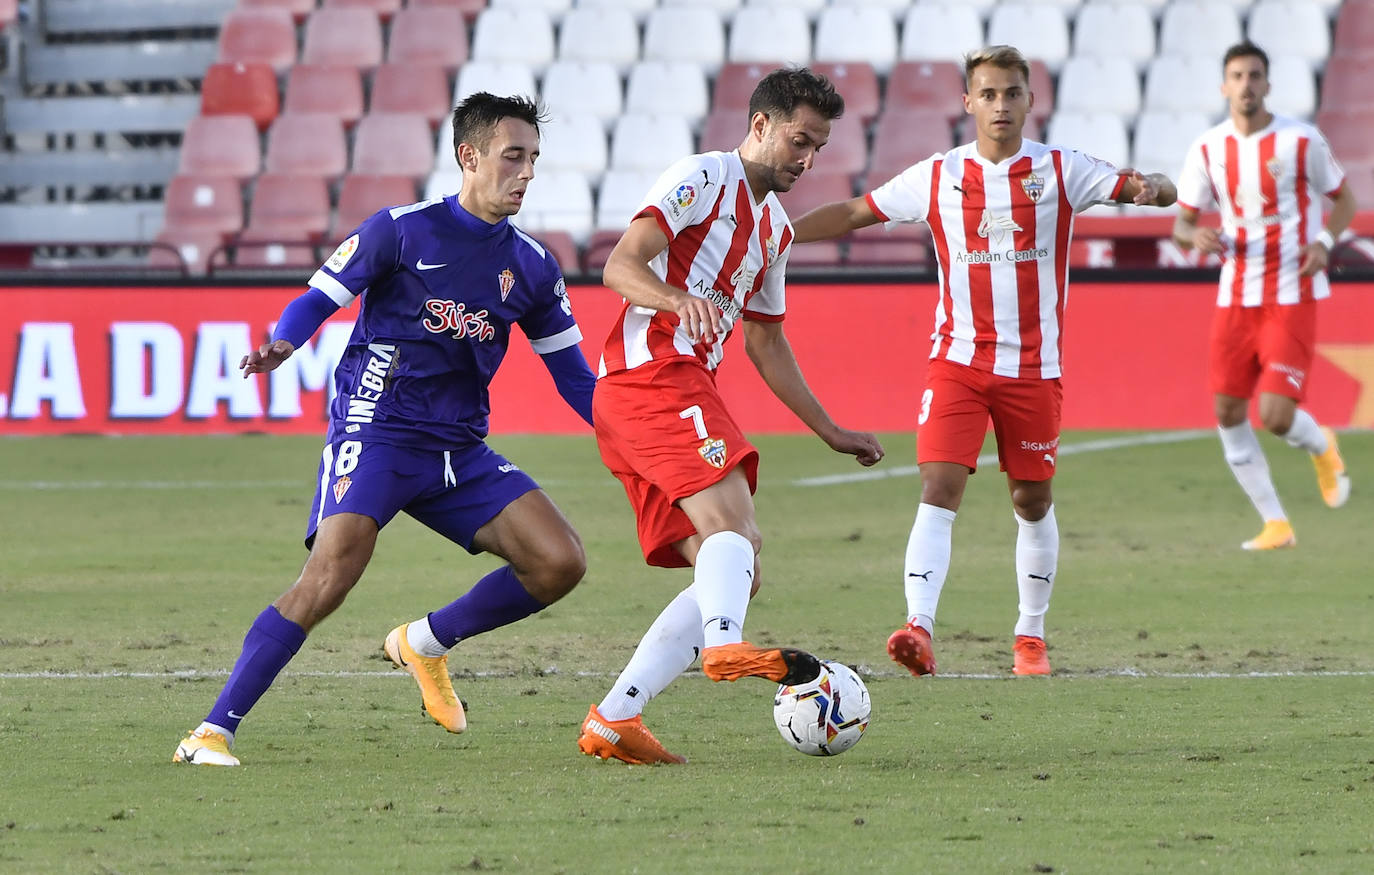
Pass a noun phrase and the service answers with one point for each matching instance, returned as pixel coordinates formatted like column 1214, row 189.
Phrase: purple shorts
column 453, row 492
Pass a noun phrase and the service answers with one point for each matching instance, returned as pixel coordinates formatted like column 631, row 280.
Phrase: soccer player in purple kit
column 441, row 283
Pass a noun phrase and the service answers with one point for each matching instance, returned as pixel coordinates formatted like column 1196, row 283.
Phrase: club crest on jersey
column 1033, row 186
column 1275, row 167
column 713, row 451
column 993, row 226
column 506, row 279
column 447, row 316
column 341, row 488
column 341, row 255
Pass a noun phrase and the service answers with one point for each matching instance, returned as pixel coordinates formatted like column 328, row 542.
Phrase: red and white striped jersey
column 1001, row 233
column 1268, row 186
column 721, row 246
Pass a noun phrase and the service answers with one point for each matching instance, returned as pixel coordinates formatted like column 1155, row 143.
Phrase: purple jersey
column 441, row 289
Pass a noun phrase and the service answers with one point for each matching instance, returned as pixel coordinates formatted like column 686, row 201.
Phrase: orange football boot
column 629, row 741
column 911, row 648
column 1029, row 656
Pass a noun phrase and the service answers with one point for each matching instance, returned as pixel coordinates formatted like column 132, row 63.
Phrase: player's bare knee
column 554, row 572
column 1276, row 421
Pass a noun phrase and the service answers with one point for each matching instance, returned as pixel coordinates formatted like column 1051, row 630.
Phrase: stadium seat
column 894, row 245
column 1042, row 86
column 574, row 143
column 676, row 88
column 497, row 78
column 307, row 143
column 1042, row 30
column 1354, row 29
column 203, row 203
column 926, row 86
column 865, row 34
column 723, row 130
column 1099, row 84
column 1162, row 139
column 601, row 34
column 815, row 189
column 940, row 32
column 650, row 142
column 514, row 34
column 221, row 145
column 1292, row 27
column 470, row 8
column 812, row 9
column 444, row 159
column 666, row 27
column 1185, row 84
column 394, row 144
column 411, row 88
column 271, row 248
column 583, row 88
column 598, row 249
column 722, row 9
column 766, row 33
column 1348, row 134
column 554, row 9
column 1115, row 30
column 558, row 201
column 846, row 152
column 287, row 203
column 619, row 197
column 734, row 86
column 343, row 36
column 1292, row 89
column 258, row 36
column 429, row 35
column 901, row 137
column 858, row 83
column 240, row 89
column 1343, row 85
column 822, row 253
column 1099, row 134
column 300, row 9
column 442, row 183
column 561, row 245
column 316, row 88
column 384, row 9
column 1360, row 177
column 183, row 249
column 1199, row 29
column 363, row 194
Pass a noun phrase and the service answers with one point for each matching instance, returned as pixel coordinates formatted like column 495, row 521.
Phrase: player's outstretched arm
column 627, row 274
column 298, row 323
column 1147, row 189
column 833, row 220
column 772, row 355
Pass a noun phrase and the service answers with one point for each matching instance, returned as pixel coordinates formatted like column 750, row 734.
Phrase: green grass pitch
column 1211, row 709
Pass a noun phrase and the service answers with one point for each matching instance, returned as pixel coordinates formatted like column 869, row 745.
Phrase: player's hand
column 1147, row 188
column 1314, row 259
column 862, row 445
column 266, row 357
column 699, row 318
column 1207, row 240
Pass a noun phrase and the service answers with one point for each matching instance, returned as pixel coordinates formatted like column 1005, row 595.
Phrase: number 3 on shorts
column 348, row 457
column 925, row 406
column 694, row 413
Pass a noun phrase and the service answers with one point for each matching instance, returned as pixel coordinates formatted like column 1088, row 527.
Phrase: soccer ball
column 826, row 716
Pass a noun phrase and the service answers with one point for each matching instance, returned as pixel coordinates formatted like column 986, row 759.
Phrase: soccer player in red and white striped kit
column 1000, row 212
column 1268, row 174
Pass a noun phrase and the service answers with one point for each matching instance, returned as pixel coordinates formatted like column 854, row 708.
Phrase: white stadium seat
column 649, row 142
column 676, row 88
column 723, row 9
column 857, row 33
column 1292, row 87
column 1162, row 139
column 940, row 32
column 514, row 34
column 583, row 88
column 442, row 183
column 603, row 34
column 770, row 33
column 574, row 143
column 504, row 77
column 1115, row 30
column 1099, row 84
column 558, row 201
column 1042, row 31
column 811, row 8
column 554, row 9
column 1099, row 134
column 619, row 196
column 685, row 33
column 1199, row 29
column 1293, row 27
column 640, row 9
column 1183, row 84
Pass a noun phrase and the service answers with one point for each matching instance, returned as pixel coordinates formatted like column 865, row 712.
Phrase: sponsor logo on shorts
column 341, row 488
column 713, row 451
column 508, row 467
column 506, row 279
column 1293, row 375
column 1040, row 446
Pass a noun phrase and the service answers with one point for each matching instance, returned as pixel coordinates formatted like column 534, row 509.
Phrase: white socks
column 421, row 639
column 1305, row 434
column 1037, row 559
column 1246, row 458
column 927, row 562
column 724, row 576
column 666, row 650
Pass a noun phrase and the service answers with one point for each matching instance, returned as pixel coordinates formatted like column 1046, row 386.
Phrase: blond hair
column 1004, row 57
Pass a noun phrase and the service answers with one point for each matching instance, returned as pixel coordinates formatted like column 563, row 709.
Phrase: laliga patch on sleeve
column 341, row 255
column 680, row 199
column 560, row 290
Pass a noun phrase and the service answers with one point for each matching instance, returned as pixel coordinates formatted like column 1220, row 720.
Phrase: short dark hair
column 476, row 117
column 782, row 91
column 1245, row 49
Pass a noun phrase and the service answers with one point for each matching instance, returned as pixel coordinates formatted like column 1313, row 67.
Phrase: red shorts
column 664, row 432
column 955, row 408
column 1270, row 346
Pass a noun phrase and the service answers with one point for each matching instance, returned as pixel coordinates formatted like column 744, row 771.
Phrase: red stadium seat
column 240, row 89
column 1343, row 85
column 905, row 245
column 1354, row 29
column 723, row 130
column 1359, row 176
column 563, row 247
column 383, row 8
column 1348, row 134
column 900, row 139
column 857, row 83
column 316, row 88
column 735, row 84
column 221, row 145
column 926, row 86
column 269, row 248
column 599, row 247
column 815, row 188
column 183, row 249
column 364, row 194
column 393, row 143
column 9, row 11
column 411, row 88
column 307, row 144
column 204, row 203
column 285, row 202
column 300, row 9
column 823, row 253
column 1042, row 86
column 470, row 8
column 348, row 36
column 431, row 35
column 258, row 36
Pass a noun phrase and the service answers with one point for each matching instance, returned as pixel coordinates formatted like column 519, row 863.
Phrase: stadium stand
column 600, row 33
column 584, row 88
column 361, row 195
column 671, row 87
column 858, row 82
column 241, row 89
column 665, row 26
column 289, row 204
column 384, row 9
column 411, row 88
column 343, row 36
column 299, row 9
column 861, row 34
column 393, row 143
column 222, row 145
column 1042, row 29
column 1118, row 30
column 514, row 34
column 428, row 35
column 307, row 143
column 769, row 33
column 204, row 203
column 327, row 90
column 940, row 32
column 258, row 35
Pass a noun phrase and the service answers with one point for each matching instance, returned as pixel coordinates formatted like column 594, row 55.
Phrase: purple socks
column 269, row 645
column 494, row 601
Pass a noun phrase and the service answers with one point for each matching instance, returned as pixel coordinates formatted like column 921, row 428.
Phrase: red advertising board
column 165, row 360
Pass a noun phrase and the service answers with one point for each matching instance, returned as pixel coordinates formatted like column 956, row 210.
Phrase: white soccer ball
column 825, row 717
